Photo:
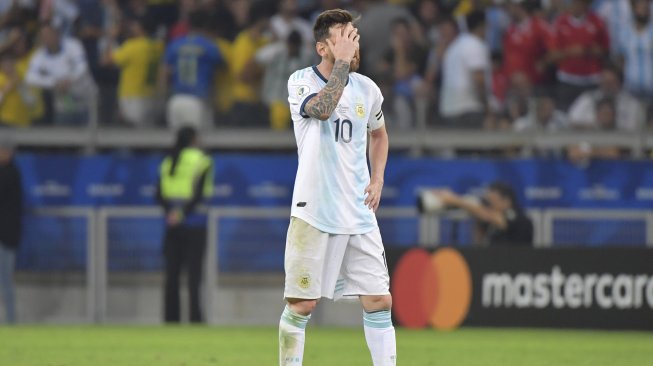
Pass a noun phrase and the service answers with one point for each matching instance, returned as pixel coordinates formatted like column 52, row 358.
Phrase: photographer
column 501, row 220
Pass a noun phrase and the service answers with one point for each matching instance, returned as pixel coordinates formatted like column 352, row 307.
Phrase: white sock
column 292, row 330
column 380, row 336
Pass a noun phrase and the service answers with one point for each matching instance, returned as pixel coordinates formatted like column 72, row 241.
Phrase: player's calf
column 292, row 331
column 379, row 332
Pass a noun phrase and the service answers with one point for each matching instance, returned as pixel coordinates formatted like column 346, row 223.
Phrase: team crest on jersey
column 360, row 110
column 305, row 281
column 302, row 90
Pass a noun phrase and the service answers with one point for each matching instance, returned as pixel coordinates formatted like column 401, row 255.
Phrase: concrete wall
column 137, row 299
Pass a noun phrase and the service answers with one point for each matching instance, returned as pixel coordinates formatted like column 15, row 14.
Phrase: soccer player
column 334, row 246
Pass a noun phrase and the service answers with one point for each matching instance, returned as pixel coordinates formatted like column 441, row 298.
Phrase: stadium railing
column 417, row 141
column 127, row 240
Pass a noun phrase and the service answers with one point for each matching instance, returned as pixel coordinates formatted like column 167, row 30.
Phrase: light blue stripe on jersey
column 377, row 319
column 637, row 50
column 292, row 318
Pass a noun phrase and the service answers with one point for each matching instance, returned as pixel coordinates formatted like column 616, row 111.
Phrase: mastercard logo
column 431, row 289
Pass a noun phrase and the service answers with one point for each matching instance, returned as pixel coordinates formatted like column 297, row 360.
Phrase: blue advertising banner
column 267, row 180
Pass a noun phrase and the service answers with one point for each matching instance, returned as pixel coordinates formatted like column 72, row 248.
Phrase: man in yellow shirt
column 14, row 98
column 138, row 59
column 248, row 109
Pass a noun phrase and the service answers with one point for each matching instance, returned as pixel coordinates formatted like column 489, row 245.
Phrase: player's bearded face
column 355, row 62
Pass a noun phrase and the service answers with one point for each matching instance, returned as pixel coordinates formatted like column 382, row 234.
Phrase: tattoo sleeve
column 323, row 104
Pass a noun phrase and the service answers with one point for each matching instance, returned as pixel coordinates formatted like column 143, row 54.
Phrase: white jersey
column 332, row 175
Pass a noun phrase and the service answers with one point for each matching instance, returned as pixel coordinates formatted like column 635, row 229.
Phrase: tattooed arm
column 325, row 102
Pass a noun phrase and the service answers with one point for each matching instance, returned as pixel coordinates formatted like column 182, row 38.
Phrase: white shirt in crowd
column 278, row 68
column 282, row 28
column 465, row 55
column 617, row 15
column 47, row 69
column 630, row 115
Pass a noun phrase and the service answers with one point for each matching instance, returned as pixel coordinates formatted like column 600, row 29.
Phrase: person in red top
column 526, row 42
column 581, row 44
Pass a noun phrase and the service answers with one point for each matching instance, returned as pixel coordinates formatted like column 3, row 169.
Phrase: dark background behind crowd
column 522, row 65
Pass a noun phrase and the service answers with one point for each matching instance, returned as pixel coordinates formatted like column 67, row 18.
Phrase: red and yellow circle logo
column 433, row 289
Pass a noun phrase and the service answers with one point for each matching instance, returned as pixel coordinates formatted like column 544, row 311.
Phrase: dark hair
column 261, row 9
column 185, row 138
column 506, row 191
column 475, row 19
column 149, row 25
column 295, row 38
column 199, row 20
column 328, row 19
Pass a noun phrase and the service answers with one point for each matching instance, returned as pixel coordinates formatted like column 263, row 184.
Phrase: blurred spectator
column 163, row 13
column 287, row 20
column 429, row 13
column 580, row 45
column 185, row 181
column 519, row 99
column 605, row 114
column 222, row 17
column 501, row 221
column 447, row 32
column 526, row 42
column 542, row 116
column 636, row 48
column 629, row 112
column 191, row 62
column 135, row 8
column 97, row 21
column 280, row 60
column 11, row 214
column 61, row 13
column 138, row 59
column 59, row 66
column 466, row 75
column 405, row 64
column 181, row 27
column 552, row 9
column 498, row 22
column 500, row 81
column 248, row 75
column 375, row 32
column 617, row 15
column 16, row 99
column 223, row 81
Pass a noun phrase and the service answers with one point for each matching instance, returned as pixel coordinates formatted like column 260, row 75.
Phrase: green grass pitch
column 256, row 346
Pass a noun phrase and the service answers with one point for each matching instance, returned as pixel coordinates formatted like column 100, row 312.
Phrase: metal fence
column 126, row 241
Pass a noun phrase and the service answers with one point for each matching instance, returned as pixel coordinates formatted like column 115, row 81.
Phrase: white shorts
column 188, row 110
column 320, row 264
column 139, row 111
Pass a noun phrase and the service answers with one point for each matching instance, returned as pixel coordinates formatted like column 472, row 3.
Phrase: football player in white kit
column 334, row 247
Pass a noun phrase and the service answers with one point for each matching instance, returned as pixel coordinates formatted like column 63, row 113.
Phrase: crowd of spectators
column 521, row 65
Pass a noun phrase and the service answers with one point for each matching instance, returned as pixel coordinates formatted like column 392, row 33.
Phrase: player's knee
column 376, row 302
column 302, row 306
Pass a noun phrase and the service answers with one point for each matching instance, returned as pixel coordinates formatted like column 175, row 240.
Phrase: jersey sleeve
column 301, row 89
column 376, row 119
column 121, row 55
